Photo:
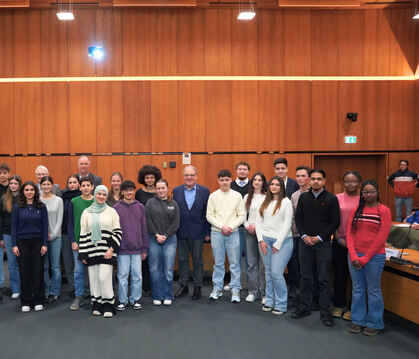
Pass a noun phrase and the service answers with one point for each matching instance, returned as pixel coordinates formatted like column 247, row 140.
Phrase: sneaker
column 107, row 315
column 15, row 295
column 120, row 306
column 354, row 328
column 137, row 305
column 52, row 299
column 39, row 307
column 96, row 313
column 347, row 315
column 370, row 332
column 156, row 302
column 263, row 300
column 277, row 312
column 337, row 312
column 227, row 287
column 235, row 297
column 265, row 308
column 77, row 303
column 215, row 294
column 167, row 302
column 250, row 298
column 26, row 308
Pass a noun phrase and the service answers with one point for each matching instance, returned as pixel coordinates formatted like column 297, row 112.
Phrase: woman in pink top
column 348, row 201
column 366, row 237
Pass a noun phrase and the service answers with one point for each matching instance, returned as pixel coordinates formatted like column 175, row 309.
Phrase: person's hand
column 307, row 240
column 74, row 246
column 207, row 238
column 143, row 256
column 44, row 249
column 226, row 231
column 1, row 244
column 274, row 250
column 343, row 243
column 84, row 261
column 251, row 229
column 263, row 247
column 16, row 252
column 160, row 238
column 356, row 264
column 109, row 253
column 49, row 237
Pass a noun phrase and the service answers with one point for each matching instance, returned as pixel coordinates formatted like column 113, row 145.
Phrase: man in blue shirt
column 192, row 200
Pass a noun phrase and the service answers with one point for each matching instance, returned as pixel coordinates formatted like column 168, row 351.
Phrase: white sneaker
column 156, row 302
column 16, row 296
column 107, row 315
column 227, row 287
column 167, row 302
column 26, row 308
column 235, row 297
column 96, row 313
column 215, row 294
column 263, row 300
column 250, row 298
column 39, row 307
column 277, row 312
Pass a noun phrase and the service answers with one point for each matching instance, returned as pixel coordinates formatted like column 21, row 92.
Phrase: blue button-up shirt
column 190, row 195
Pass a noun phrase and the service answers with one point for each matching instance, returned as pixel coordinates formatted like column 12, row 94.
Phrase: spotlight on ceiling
column 65, row 15
column 246, row 10
column 96, row 52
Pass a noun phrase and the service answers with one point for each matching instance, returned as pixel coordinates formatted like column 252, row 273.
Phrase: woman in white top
column 253, row 201
column 273, row 230
column 55, row 210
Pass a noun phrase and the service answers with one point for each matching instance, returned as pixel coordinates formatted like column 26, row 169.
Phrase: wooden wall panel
column 25, row 167
column 137, row 116
column 7, row 119
column 170, row 174
column 54, row 124
column 298, row 127
column 136, row 42
column 109, row 116
column 164, row 117
column 218, row 114
column 107, row 165
column 26, row 43
column 59, row 168
column 297, row 35
column 82, row 111
column 270, row 46
column 245, row 99
column 218, row 42
column 28, row 130
column 350, row 42
column 191, row 116
column 6, row 44
column 324, row 55
column 132, row 165
column 190, row 51
column 53, row 45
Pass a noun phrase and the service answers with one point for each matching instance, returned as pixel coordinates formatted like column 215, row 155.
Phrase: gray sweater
column 162, row 217
column 55, row 210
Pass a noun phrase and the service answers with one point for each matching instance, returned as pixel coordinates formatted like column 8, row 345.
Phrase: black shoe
column 300, row 313
column 52, row 299
column 196, row 293
column 146, row 292
column 183, row 290
column 327, row 320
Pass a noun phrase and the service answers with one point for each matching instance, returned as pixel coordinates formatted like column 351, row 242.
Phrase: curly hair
column 148, row 170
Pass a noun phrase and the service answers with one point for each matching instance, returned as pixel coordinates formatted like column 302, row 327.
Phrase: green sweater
column 77, row 206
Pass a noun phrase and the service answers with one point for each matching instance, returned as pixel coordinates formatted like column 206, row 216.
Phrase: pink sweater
column 347, row 204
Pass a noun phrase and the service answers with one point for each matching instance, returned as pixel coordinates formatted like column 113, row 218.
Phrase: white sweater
column 276, row 225
column 55, row 210
column 257, row 201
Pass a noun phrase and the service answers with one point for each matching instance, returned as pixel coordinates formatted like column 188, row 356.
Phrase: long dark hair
column 8, row 196
column 22, row 199
column 252, row 190
column 361, row 205
column 270, row 197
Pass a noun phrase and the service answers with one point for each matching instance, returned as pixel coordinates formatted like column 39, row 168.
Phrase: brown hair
column 163, row 180
column 270, row 197
column 111, row 192
column 8, row 196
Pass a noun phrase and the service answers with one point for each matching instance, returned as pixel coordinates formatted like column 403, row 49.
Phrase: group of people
column 270, row 225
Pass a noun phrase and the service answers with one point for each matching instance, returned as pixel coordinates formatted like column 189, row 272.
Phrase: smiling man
column 83, row 164
column 281, row 170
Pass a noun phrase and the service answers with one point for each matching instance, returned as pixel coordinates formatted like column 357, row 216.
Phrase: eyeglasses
column 366, row 193
column 189, row 175
column 351, row 182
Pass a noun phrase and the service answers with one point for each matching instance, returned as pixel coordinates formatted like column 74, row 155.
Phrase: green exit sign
column 350, row 139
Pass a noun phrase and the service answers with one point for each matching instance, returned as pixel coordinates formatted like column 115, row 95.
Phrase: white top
column 225, row 209
column 55, row 210
column 257, row 201
column 276, row 225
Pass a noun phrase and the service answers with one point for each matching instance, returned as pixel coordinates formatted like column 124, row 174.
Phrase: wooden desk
column 400, row 286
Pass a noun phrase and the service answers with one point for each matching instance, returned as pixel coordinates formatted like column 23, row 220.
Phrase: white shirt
column 257, row 201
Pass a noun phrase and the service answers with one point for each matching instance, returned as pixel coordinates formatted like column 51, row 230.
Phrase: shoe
column 182, row 291
column 337, row 312
column 107, row 315
column 156, row 302
column 250, row 298
column 120, row 306
column 26, row 308
column 52, row 299
column 263, row 300
column 235, row 296
column 370, row 332
column 300, row 313
column 137, row 305
column 46, row 299
column 265, row 308
column 196, row 293
column 96, row 313
column 39, row 307
column 347, row 315
column 215, row 294
column 327, row 320
column 277, row 312
column 167, row 302
column 15, row 295
column 146, row 292
column 227, row 287
column 77, row 303
column 354, row 328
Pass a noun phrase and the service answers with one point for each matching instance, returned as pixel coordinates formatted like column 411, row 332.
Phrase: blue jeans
column 161, row 261
column 220, row 245
column 78, row 275
column 398, row 203
column 129, row 265
column 12, row 264
column 1, row 268
column 68, row 260
column 366, row 283
column 52, row 259
column 275, row 264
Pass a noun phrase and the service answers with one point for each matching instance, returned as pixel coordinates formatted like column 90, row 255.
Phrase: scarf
column 95, row 209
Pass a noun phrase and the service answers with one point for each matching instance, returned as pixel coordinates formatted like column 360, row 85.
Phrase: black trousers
column 195, row 247
column 294, row 268
column 341, row 270
column 320, row 256
column 145, row 272
column 31, row 271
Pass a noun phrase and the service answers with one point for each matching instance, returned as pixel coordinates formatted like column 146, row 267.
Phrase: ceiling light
column 65, row 15
column 416, row 16
column 246, row 15
column 246, row 11
column 96, row 52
